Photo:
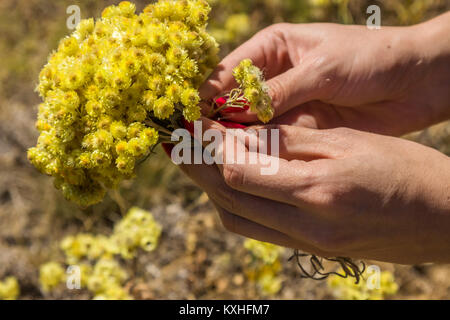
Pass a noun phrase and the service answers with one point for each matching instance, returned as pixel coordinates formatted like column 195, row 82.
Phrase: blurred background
column 196, row 257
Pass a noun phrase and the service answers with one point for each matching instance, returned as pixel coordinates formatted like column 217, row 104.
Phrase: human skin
column 345, row 186
column 390, row 81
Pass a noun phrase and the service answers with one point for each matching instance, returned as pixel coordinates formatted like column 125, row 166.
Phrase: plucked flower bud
column 251, row 81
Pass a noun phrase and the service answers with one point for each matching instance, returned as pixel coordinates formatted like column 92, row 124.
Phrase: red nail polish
column 235, row 109
column 242, row 101
column 232, row 125
column 221, row 101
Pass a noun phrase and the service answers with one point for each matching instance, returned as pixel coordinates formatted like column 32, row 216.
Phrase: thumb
column 267, row 49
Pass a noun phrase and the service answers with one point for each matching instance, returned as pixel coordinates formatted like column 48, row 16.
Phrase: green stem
column 157, row 126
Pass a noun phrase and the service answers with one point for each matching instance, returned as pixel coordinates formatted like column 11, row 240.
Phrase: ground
column 196, row 258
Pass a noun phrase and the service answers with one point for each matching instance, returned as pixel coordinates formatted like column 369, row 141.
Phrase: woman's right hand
column 389, row 81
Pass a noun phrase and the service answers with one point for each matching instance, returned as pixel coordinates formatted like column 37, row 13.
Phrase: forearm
column 426, row 205
column 439, row 217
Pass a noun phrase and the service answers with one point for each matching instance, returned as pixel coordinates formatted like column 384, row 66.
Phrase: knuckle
column 284, row 130
column 308, row 177
column 341, row 132
column 214, row 85
column 234, row 176
column 270, row 129
column 275, row 126
column 316, row 189
column 325, row 196
column 340, row 141
column 327, row 81
column 276, row 29
column 288, row 135
column 277, row 91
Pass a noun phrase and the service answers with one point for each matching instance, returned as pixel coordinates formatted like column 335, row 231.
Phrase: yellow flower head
column 9, row 289
column 122, row 69
column 51, row 275
column 138, row 229
column 251, row 80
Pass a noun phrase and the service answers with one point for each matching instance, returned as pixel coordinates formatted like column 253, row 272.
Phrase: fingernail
column 236, row 109
column 221, row 101
column 232, row 125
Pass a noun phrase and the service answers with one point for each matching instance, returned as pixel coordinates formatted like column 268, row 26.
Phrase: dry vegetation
column 197, row 258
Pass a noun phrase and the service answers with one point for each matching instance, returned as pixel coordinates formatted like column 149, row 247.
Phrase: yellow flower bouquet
column 120, row 85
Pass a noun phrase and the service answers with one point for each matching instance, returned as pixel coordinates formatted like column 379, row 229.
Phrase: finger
column 227, row 146
column 259, row 210
column 282, row 217
column 288, row 90
column 219, row 142
column 295, row 224
column 267, row 49
column 250, row 229
column 269, row 176
column 247, row 228
column 293, row 182
column 302, row 116
column 294, row 143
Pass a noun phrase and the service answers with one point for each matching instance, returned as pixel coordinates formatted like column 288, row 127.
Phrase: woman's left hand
column 338, row 192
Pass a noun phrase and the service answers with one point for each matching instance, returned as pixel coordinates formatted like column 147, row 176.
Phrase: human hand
column 389, row 81
column 338, row 192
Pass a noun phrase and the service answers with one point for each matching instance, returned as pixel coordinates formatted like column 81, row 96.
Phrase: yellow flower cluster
column 95, row 255
column 263, row 265
column 251, row 81
column 86, row 246
column 9, row 289
column 137, row 230
column 347, row 289
column 113, row 90
column 264, row 251
column 106, row 281
column 51, row 274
